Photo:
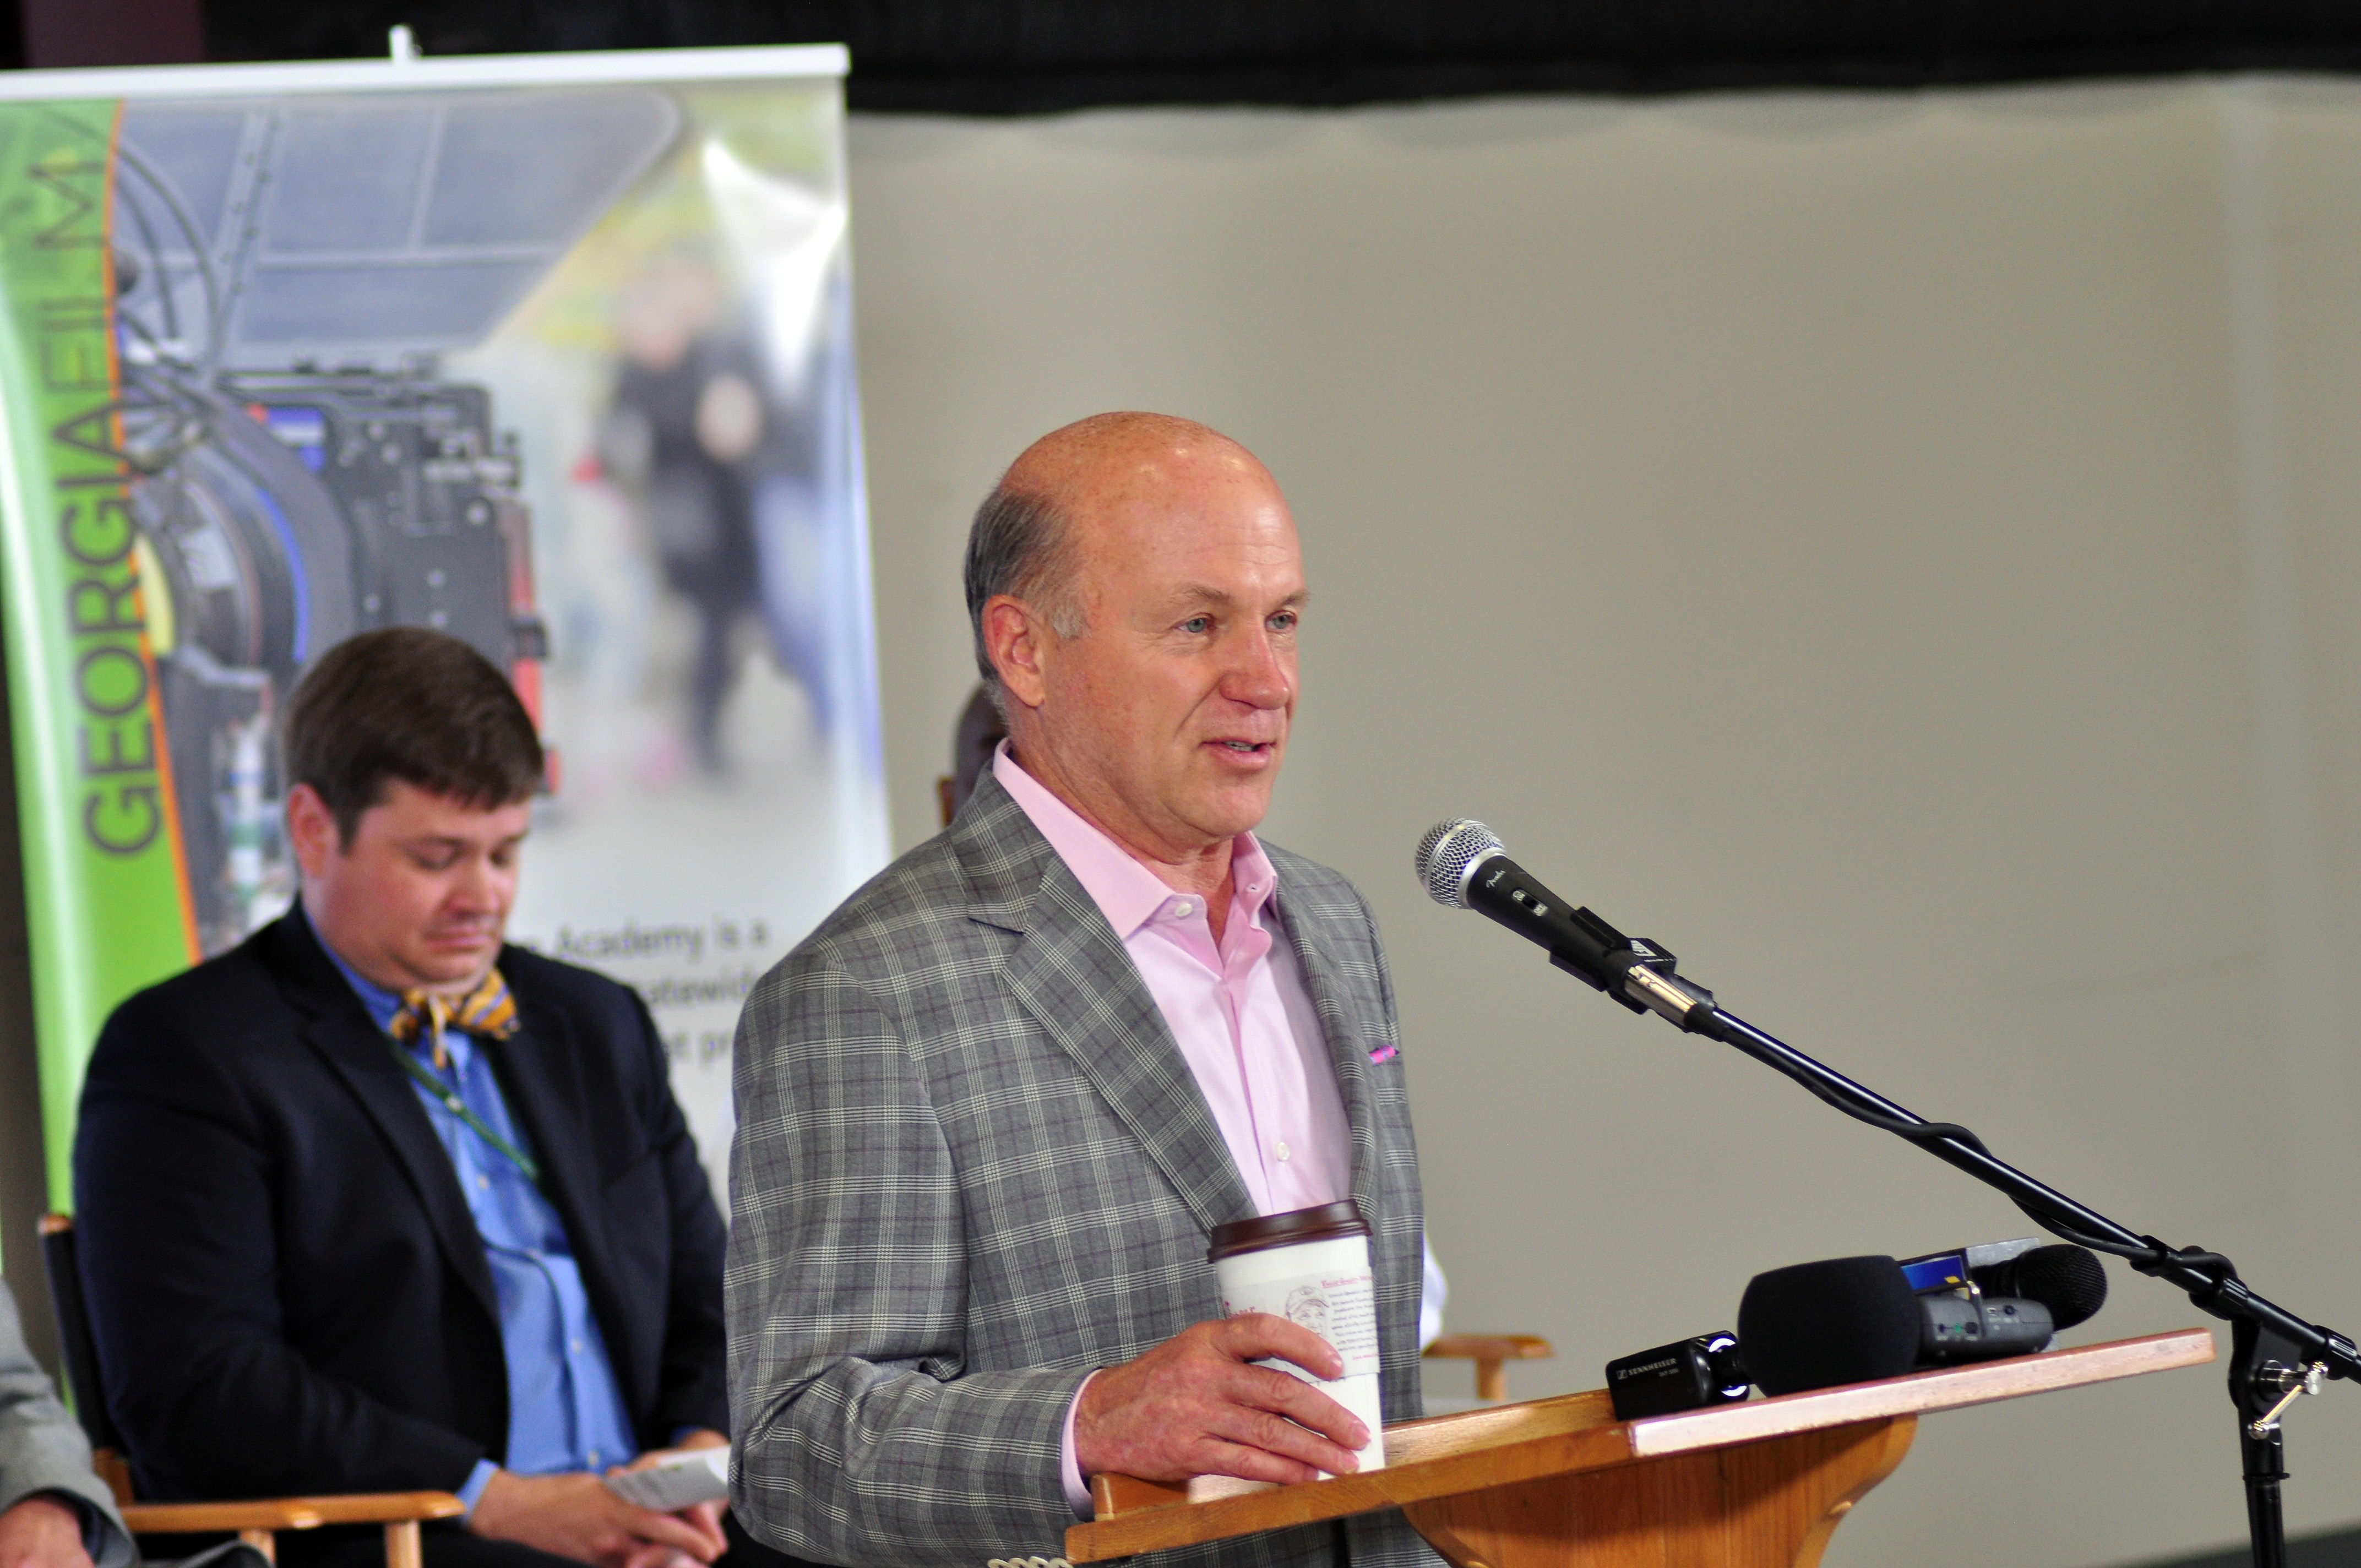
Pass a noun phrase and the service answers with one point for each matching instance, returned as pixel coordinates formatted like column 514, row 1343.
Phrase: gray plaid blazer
column 971, row 1166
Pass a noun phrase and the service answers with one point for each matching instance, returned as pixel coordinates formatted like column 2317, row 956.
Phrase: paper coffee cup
column 1312, row 1267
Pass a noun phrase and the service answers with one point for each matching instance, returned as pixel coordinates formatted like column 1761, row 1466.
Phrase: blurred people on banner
column 717, row 458
column 684, row 435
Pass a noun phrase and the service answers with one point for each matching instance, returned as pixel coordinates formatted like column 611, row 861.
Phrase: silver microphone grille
column 1449, row 853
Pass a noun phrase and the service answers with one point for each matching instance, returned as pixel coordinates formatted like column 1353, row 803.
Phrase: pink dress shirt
column 1238, row 1010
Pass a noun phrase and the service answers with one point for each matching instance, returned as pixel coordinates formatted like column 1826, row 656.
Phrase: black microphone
column 1815, row 1325
column 1462, row 865
column 2068, row 1280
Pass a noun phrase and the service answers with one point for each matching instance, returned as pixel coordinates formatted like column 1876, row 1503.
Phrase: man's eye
column 1283, row 621
column 1197, row 623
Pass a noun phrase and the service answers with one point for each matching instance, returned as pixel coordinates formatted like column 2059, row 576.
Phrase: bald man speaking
column 991, row 1111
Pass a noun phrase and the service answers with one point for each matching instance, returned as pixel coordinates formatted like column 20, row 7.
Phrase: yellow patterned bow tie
column 488, row 1012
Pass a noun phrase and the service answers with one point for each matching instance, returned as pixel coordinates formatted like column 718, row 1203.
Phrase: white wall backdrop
column 1898, row 551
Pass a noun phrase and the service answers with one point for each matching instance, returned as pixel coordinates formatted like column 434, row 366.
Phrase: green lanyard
column 458, row 1107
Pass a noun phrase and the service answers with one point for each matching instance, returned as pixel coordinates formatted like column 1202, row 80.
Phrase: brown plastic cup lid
column 1326, row 1222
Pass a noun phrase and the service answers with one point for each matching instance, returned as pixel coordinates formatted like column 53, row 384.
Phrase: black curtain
column 1005, row 57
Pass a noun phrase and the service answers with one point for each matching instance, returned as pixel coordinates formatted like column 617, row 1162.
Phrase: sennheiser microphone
column 1463, row 866
column 1687, row 1375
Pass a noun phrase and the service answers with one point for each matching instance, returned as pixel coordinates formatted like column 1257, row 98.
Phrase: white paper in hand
column 675, row 1482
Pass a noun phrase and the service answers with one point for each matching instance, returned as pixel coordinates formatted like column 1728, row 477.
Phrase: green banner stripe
column 106, row 894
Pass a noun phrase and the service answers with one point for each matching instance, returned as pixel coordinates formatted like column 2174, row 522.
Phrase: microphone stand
column 2275, row 1357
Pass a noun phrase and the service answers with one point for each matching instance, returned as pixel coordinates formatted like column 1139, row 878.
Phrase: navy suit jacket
column 289, row 1294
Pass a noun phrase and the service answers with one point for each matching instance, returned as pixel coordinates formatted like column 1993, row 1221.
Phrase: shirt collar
column 382, row 1005
column 1126, row 892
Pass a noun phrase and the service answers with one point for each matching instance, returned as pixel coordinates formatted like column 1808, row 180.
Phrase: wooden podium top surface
column 1446, row 1455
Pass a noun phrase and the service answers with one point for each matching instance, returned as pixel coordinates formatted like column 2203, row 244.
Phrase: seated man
column 54, row 1512
column 372, row 1202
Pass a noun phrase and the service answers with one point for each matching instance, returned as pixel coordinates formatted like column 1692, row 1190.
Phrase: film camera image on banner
column 553, row 354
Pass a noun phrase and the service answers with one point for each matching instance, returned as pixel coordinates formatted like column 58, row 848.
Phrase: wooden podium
column 1561, row 1484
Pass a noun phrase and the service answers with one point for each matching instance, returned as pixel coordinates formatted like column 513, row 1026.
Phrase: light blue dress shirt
column 565, row 1409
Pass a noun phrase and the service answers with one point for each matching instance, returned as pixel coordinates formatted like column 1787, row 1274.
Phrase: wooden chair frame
column 1490, row 1352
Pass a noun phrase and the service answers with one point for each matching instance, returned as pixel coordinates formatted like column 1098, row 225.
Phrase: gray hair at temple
column 1022, row 546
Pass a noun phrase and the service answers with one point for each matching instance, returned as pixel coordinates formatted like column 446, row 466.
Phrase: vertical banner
column 553, row 353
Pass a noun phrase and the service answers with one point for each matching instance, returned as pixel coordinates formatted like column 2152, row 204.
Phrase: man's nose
column 477, row 885
column 1257, row 675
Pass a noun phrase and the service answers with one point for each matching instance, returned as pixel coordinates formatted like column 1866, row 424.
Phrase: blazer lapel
column 1345, row 1049
column 340, row 1029
column 1070, row 972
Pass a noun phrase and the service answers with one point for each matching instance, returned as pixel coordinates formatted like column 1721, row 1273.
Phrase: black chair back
column 73, row 1332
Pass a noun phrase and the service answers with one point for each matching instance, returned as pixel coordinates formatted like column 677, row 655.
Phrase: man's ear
column 1013, row 640
column 311, row 831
